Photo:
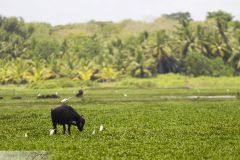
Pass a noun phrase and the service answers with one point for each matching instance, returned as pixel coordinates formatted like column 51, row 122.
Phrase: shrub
column 60, row 83
column 146, row 83
column 197, row 64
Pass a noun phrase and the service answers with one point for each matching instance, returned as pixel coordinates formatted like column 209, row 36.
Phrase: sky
column 77, row 11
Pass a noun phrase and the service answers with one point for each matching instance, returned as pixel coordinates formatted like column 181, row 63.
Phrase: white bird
column 125, row 95
column 25, row 135
column 94, row 131
column 51, row 132
column 101, row 128
column 65, row 100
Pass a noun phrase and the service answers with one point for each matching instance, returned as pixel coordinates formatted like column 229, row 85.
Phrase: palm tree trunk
column 185, row 49
column 209, row 53
column 227, row 54
column 160, row 66
column 142, row 72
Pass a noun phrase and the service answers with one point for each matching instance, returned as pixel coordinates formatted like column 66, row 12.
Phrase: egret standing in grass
column 101, row 128
column 94, row 131
column 51, row 132
column 25, row 135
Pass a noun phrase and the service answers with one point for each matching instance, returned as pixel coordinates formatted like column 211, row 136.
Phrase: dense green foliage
column 139, row 126
column 107, row 51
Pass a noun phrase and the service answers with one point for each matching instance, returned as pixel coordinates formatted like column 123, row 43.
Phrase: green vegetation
column 127, row 70
column 107, row 51
column 165, row 81
column 173, row 81
column 140, row 125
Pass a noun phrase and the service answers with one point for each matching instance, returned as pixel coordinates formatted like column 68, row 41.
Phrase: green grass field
column 139, row 126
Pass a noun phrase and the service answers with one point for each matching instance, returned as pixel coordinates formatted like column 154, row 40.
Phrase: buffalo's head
column 80, row 123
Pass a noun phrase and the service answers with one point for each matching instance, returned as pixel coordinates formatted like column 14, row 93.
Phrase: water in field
column 200, row 97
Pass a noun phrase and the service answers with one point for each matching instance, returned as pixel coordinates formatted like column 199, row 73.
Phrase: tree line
column 107, row 51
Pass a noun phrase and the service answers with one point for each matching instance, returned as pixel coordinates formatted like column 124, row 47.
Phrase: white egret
column 65, row 100
column 51, row 132
column 101, row 128
column 25, row 135
column 94, row 131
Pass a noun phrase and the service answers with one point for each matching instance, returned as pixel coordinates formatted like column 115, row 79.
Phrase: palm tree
column 186, row 37
column 222, row 21
column 161, row 52
column 68, row 64
column 116, row 50
column 204, row 40
column 85, row 70
column 143, row 64
column 235, row 61
column 108, row 74
column 36, row 72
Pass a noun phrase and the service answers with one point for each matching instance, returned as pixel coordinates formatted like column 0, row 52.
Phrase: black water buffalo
column 47, row 96
column 16, row 97
column 66, row 115
column 80, row 93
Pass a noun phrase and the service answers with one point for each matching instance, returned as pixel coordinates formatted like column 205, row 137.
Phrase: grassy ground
column 139, row 126
column 180, row 81
column 167, row 81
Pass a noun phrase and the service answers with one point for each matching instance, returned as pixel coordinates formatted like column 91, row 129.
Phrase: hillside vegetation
column 107, row 51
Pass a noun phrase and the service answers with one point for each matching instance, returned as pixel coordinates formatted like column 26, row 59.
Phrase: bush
column 140, row 83
column 197, row 64
column 220, row 69
column 60, row 83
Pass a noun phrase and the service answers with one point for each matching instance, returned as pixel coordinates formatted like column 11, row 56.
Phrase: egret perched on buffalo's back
column 65, row 100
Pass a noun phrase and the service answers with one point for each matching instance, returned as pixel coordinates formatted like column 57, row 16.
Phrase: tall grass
column 181, row 81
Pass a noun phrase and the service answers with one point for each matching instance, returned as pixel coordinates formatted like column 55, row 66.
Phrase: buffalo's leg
column 55, row 128
column 69, row 128
column 64, row 128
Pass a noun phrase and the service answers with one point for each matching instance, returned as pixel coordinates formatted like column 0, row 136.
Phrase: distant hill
column 108, row 28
